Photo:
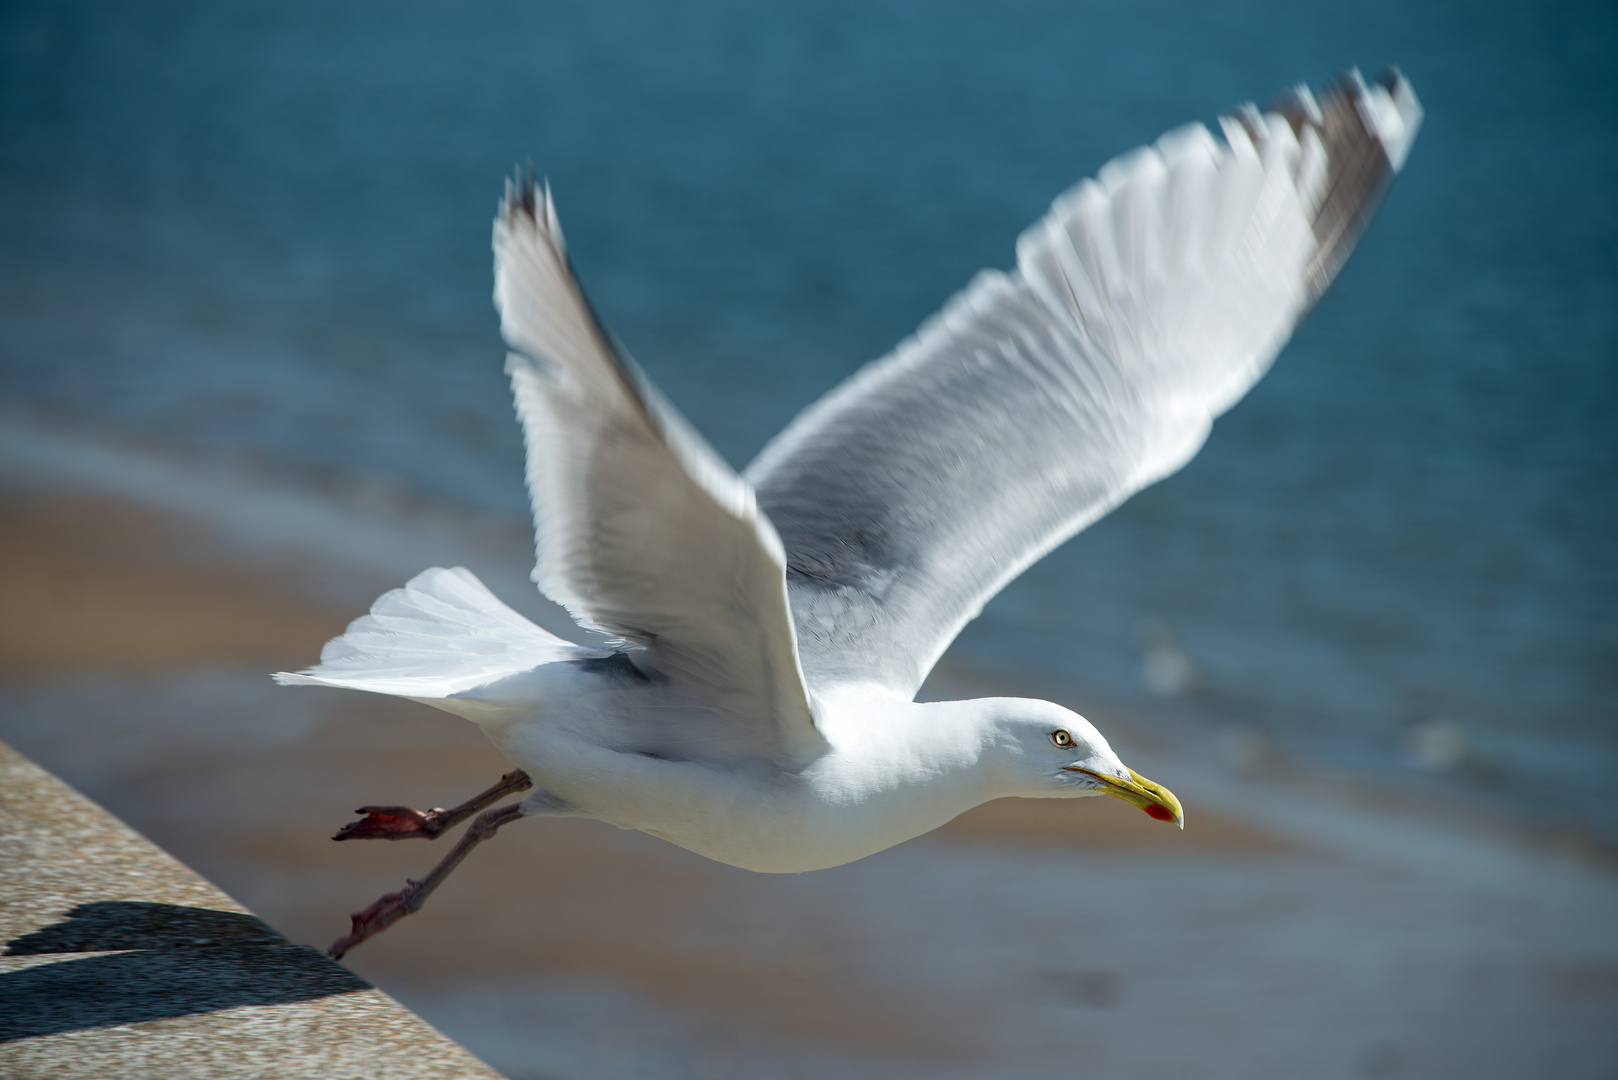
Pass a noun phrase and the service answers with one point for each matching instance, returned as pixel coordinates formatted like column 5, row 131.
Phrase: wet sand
column 134, row 647
column 96, row 584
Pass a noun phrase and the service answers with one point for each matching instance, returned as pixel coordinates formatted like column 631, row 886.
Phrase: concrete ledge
column 119, row 961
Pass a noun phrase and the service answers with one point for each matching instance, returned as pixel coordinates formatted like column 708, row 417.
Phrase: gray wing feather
column 1143, row 305
column 643, row 532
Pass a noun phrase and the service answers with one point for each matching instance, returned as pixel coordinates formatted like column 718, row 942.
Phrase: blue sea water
column 261, row 229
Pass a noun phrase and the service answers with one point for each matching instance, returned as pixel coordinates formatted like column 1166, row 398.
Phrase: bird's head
column 1052, row 752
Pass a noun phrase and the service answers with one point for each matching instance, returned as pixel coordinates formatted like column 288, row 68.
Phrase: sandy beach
column 1294, row 929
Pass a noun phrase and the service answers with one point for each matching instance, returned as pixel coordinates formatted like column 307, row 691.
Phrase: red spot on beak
column 1161, row 813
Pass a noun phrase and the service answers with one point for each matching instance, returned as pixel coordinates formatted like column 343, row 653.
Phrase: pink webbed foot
column 378, row 917
column 404, row 823
column 394, row 823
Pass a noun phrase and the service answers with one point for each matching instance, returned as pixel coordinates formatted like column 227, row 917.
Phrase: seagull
column 760, row 637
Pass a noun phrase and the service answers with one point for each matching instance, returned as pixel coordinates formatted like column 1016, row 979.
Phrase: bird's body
column 598, row 754
column 764, row 635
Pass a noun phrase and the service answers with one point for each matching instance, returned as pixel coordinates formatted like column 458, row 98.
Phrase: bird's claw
column 394, row 823
column 402, row 822
column 378, row 917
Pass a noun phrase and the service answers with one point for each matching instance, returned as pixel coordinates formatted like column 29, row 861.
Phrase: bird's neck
column 935, row 759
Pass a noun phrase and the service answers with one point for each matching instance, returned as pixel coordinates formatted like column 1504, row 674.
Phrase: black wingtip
column 523, row 193
column 1360, row 166
column 530, row 189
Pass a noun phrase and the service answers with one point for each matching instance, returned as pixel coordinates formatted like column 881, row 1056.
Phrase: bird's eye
column 1061, row 738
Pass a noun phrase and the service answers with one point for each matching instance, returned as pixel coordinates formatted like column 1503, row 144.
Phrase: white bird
column 767, row 632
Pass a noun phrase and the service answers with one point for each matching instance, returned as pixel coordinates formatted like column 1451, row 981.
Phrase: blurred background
column 250, row 376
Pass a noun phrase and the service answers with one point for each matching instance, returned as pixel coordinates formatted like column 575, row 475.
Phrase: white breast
column 876, row 788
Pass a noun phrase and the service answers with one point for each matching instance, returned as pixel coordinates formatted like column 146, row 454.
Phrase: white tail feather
column 443, row 639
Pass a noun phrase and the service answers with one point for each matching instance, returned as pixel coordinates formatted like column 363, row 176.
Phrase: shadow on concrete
column 168, row 961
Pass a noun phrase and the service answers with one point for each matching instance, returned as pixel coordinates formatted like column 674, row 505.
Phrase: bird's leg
column 402, row 823
column 395, row 906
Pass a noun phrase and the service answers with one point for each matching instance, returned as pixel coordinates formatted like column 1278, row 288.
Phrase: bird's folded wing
column 643, row 532
column 1142, row 306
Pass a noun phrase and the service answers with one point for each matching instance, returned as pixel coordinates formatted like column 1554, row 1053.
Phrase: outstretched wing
column 643, row 532
column 1143, row 305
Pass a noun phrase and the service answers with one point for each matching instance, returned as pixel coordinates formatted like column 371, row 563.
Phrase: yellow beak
column 1158, row 801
